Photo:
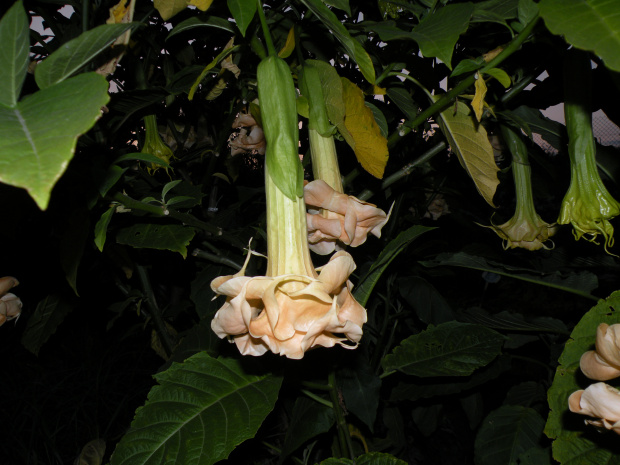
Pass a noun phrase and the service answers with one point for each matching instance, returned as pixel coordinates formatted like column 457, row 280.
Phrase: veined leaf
column 49, row 314
column 332, row 91
column 478, row 101
column 501, row 76
column 70, row 57
column 438, row 32
column 168, row 8
column 309, row 419
column 101, row 228
column 471, row 144
column 14, row 56
column 202, row 5
column 371, row 458
column 507, row 433
column 173, row 237
column 362, row 131
column 243, row 11
column 449, row 349
column 197, row 414
column 38, row 136
column 367, row 283
column 587, row 24
column 352, row 46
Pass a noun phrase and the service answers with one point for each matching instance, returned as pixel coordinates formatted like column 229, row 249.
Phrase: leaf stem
column 271, row 50
column 318, row 399
column 154, row 310
column 344, row 437
column 216, row 259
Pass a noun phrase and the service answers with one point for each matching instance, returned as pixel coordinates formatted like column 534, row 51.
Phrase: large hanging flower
column 293, row 307
column 603, row 363
column 600, row 401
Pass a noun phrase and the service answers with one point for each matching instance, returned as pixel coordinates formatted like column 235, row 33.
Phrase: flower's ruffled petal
column 7, row 283
column 290, row 314
column 600, row 401
column 595, row 367
column 608, row 343
column 348, row 220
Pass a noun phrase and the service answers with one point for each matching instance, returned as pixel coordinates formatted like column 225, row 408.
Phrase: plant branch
column 343, row 430
column 216, row 259
column 151, row 303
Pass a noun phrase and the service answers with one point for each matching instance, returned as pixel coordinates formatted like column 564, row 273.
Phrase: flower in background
column 603, row 363
column 10, row 304
column 154, row 145
column 600, row 401
column 244, row 141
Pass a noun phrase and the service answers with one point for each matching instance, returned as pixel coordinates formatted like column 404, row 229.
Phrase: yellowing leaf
column 168, row 8
column 470, row 142
column 117, row 12
column 121, row 13
column 289, row 46
column 362, row 131
column 376, row 90
column 202, row 5
column 478, row 102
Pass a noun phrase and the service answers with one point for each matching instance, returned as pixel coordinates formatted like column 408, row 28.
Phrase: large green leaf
column 172, row 237
column 14, row 55
column 197, row 414
column 243, row 11
column 360, row 388
column 351, row 45
column 587, row 24
column 309, row 419
column 470, row 142
column 438, row 32
column 573, row 443
column 507, row 433
column 38, row 135
column 49, row 314
column 70, row 57
column 580, row 283
column 367, row 283
column 449, row 349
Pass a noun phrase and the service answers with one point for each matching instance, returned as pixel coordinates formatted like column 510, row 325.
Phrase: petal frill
column 595, row 367
column 608, row 343
column 600, row 401
column 348, row 219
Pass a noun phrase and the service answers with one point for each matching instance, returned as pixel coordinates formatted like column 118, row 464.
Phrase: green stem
column 344, row 436
column 263, row 21
column 447, row 98
column 318, row 399
column 151, row 303
column 405, row 170
column 85, row 11
column 317, row 386
column 217, row 259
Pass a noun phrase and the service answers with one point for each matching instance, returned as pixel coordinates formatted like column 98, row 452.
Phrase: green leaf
column 372, row 458
column 14, row 57
column 309, row 419
column 573, row 442
column 70, row 57
column 168, row 8
column 38, row 136
column 500, row 75
column 197, row 414
column 467, row 66
column 200, row 338
column 243, row 11
column 360, row 388
column 367, row 283
column 207, row 21
column 387, row 30
column 352, row 46
column 592, row 25
column 470, row 142
column 139, row 156
column 168, row 186
column 92, row 453
column 172, row 237
column 496, row 10
column 332, row 91
column 427, row 302
column 401, row 97
column 449, row 349
column 101, row 228
column 432, row 387
column 527, row 11
column 379, row 118
column 50, row 312
column 507, row 433
column 580, row 283
column 438, row 32
column 340, row 4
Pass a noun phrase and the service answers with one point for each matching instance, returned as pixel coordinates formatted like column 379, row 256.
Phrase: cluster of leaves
column 116, row 257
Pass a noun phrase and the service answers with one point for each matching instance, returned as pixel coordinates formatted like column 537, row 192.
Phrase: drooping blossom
column 245, row 141
column 603, row 363
column 599, row 401
column 10, row 304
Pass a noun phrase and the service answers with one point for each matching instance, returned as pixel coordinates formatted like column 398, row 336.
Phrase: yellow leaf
column 121, row 13
column 470, row 142
column 202, row 5
column 478, row 102
column 168, row 8
column 362, row 131
column 117, row 12
column 289, row 46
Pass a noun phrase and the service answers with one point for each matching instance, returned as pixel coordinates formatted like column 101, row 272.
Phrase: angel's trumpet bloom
column 247, row 142
column 154, row 145
column 587, row 205
column 293, row 308
column 10, row 304
column 335, row 220
column 600, row 401
column 603, row 363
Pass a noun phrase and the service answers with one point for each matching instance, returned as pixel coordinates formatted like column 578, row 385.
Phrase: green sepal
column 277, row 96
column 310, row 84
